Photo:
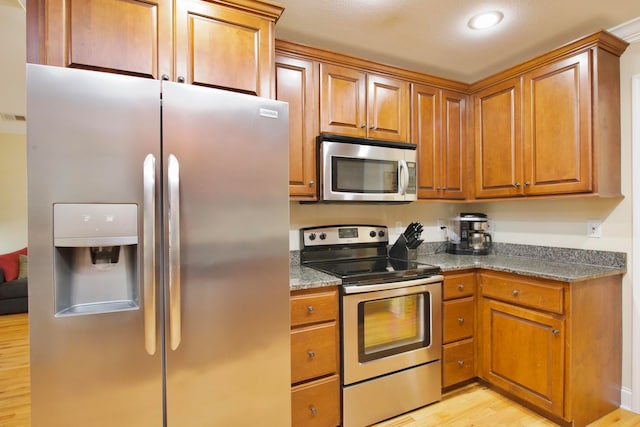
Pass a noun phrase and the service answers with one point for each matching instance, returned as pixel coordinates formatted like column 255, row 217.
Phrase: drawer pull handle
column 555, row 332
column 461, row 363
column 313, row 410
column 515, row 292
column 310, row 309
column 461, row 320
column 312, row 354
column 461, row 286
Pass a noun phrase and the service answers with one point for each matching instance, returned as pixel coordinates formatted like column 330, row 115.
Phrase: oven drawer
column 458, row 285
column 457, row 362
column 313, row 308
column 458, row 319
column 538, row 294
column 316, row 403
column 314, row 352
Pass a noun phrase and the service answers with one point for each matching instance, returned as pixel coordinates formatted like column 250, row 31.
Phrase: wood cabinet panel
column 458, row 362
column 316, row 404
column 458, row 285
column 458, row 319
column 523, row 353
column 521, row 291
column 313, row 352
column 454, row 120
column 312, row 308
column 388, row 108
column 557, row 107
column 220, row 47
column 342, row 100
column 297, row 84
column 498, row 139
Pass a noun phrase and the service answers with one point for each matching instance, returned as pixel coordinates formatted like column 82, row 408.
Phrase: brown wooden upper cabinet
column 439, row 127
column 551, row 128
column 356, row 103
column 223, row 45
column 297, row 84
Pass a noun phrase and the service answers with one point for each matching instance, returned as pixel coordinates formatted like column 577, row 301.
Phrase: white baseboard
column 626, row 399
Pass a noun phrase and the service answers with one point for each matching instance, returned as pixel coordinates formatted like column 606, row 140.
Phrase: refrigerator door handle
column 149, row 255
column 173, row 173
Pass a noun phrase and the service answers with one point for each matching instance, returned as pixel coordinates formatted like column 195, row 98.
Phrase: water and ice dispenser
column 96, row 251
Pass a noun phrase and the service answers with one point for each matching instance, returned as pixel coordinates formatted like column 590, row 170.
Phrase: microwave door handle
column 404, row 181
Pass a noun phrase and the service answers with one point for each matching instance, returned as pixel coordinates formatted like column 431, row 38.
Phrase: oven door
column 390, row 327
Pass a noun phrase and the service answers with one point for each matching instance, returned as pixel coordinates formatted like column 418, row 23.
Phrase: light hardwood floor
column 473, row 405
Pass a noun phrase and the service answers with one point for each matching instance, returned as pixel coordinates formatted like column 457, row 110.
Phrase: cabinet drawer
column 541, row 295
column 457, row 319
column 458, row 285
column 316, row 404
column 314, row 352
column 314, row 308
column 457, row 362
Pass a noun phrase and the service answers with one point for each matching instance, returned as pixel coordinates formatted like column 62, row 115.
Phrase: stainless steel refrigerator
column 158, row 253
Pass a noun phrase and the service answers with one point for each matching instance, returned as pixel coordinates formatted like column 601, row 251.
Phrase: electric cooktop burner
column 357, row 254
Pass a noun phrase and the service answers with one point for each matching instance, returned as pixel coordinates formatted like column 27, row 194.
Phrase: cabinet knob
column 313, row 410
column 515, row 292
column 372, row 127
column 461, row 286
column 312, row 183
column 165, row 77
column 555, row 332
column 180, row 79
column 461, row 363
column 527, row 183
column 312, row 354
column 438, row 188
column 517, row 185
column 461, row 320
column 363, row 126
column 310, row 309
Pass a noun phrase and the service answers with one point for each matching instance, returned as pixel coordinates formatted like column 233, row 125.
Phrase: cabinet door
column 426, row 135
column 557, row 121
column 342, row 101
column 498, row 140
column 522, row 352
column 296, row 84
column 221, row 47
column 388, row 108
column 119, row 36
column 453, row 144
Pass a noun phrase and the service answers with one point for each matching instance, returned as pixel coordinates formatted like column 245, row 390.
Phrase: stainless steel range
column 390, row 321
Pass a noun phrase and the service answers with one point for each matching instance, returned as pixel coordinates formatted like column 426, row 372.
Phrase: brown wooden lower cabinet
column 458, row 362
column 315, row 358
column 554, row 345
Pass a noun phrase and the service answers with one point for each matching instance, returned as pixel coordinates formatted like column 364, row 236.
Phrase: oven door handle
column 359, row 289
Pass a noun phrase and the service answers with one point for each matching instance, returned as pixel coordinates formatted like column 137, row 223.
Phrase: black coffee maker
column 467, row 234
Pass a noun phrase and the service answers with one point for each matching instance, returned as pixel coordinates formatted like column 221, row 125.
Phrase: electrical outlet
column 399, row 227
column 594, row 228
column 442, row 227
column 491, row 226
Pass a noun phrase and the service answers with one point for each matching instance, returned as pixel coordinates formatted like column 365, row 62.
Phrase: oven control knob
column 312, row 236
column 322, row 236
column 372, row 233
column 381, row 233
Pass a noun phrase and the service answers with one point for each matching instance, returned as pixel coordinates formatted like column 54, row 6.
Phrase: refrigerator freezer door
column 231, row 366
column 87, row 137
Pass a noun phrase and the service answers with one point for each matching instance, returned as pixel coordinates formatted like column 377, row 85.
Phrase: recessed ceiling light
column 485, row 20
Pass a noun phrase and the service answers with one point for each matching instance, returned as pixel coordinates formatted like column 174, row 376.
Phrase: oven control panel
column 343, row 234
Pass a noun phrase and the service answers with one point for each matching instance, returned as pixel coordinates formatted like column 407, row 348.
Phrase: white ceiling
column 430, row 36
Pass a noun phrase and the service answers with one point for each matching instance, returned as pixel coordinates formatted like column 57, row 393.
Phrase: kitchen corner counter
column 527, row 266
column 535, row 261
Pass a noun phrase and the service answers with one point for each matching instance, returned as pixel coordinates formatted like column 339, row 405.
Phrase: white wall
column 13, row 192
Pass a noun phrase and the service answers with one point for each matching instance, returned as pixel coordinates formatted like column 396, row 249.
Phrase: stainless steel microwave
column 365, row 170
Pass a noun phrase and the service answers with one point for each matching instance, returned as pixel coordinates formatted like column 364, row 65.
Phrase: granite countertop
column 535, row 261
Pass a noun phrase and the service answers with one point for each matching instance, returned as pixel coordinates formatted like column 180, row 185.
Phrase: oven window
column 351, row 175
column 393, row 325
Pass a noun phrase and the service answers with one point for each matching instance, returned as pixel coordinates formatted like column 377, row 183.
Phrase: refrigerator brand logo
column 273, row 114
